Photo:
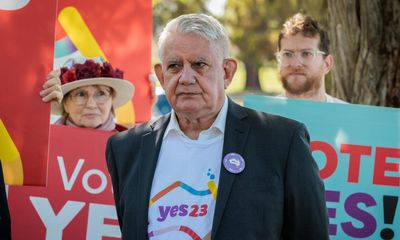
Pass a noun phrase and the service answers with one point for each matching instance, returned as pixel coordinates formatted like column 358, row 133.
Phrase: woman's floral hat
column 94, row 73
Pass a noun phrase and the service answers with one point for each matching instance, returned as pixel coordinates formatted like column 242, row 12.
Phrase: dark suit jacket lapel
column 234, row 142
column 150, row 149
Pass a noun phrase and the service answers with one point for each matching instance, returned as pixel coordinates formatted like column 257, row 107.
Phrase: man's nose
column 297, row 60
column 187, row 76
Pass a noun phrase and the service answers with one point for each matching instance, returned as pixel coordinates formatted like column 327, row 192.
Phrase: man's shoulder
column 258, row 118
column 273, row 120
column 141, row 129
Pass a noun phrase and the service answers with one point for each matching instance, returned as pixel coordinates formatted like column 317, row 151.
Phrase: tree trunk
column 365, row 37
column 252, row 79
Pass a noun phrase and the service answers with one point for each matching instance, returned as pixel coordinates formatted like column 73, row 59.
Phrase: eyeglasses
column 80, row 97
column 305, row 56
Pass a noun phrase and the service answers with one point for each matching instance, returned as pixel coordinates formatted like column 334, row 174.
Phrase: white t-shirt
column 328, row 99
column 185, row 184
column 331, row 99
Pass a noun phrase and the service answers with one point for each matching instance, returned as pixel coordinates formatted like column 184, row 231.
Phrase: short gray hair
column 203, row 25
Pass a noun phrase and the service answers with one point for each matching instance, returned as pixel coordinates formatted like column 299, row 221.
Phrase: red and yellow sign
column 26, row 55
column 77, row 202
column 119, row 32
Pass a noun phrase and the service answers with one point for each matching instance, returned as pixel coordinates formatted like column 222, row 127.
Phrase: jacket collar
column 150, row 148
column 235, row 137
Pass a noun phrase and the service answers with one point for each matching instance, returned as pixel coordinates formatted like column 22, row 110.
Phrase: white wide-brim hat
column 123, row 90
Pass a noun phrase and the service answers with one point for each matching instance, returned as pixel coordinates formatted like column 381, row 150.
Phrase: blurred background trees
column 253, row 26
column 365, row 41
column 165, row 10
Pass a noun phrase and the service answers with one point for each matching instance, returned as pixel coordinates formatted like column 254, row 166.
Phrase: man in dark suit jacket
column 5, row 223
column 268, row 185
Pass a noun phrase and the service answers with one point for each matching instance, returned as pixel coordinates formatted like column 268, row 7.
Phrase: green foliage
column 238, row 83
column 269, row 80
column 317, row 9
column 165, row 10
column 253, row 26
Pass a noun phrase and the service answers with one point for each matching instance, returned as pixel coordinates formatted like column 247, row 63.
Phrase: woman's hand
column 52, row 87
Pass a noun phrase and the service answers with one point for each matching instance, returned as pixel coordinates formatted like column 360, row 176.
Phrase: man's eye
column 173, row 66
column 199, row 64
column 307, row 53
column 287, row 54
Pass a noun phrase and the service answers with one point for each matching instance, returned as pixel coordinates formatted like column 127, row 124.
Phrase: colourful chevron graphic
column 195, row 210
column 10, row 158
column 79, row 33
column 64, row 48
column 81, row 42
column 184, row 229
column 212, row 189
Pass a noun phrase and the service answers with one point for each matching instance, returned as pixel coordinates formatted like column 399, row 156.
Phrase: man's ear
column 328, row 63
column 230, row 66
column 159, row 73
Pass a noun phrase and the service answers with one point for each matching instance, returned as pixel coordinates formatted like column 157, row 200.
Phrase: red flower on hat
column 67, row 76
column 89, row 69
column 108, row 71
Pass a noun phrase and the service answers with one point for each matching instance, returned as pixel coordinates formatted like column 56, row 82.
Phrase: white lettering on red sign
column 55, row 223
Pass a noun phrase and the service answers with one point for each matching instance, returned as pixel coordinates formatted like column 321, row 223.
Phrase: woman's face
column 89, row 106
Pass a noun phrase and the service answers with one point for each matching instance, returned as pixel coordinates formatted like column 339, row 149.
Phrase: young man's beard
column 311, row 84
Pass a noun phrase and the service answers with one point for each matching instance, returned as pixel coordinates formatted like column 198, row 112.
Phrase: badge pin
column 234, row 163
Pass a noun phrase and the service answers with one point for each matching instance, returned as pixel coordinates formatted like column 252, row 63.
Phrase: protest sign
column 357, row 149
column 119, row 32
column 26, row 55
column 77, row 203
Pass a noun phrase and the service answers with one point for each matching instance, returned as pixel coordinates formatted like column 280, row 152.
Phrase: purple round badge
column 234, row 163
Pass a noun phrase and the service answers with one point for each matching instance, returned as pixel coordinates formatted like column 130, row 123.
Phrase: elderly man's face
column 193, row 75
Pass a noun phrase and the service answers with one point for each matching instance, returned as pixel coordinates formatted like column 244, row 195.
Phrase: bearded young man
column 304, row 59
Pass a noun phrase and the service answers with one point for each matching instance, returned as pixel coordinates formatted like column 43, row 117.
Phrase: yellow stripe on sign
column 126, row 114
column 80, row 35
column 10, row 158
